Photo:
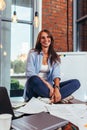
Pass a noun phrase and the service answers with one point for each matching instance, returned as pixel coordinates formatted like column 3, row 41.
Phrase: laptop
column 39, row 121
column 5, row 104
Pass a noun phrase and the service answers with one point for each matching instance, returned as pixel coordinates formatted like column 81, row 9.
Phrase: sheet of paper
column 76, row 113
column 17, row 104
column 33, row 106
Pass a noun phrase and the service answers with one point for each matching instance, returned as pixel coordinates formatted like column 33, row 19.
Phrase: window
column 81, row 25
column 14, row 44
column 16, row 40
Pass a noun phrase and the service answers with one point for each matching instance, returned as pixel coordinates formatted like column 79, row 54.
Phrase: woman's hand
column 49, row 86
column 57, row 95
column 51, row 90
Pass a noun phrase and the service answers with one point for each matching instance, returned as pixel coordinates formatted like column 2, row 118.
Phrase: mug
column 5, row 121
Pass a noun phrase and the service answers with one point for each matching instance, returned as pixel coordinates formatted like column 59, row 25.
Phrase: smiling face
column 45, row 40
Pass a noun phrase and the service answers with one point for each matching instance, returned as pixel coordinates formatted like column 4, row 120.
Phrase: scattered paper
column 17, row 104
column 75, row 113
column 33, row 106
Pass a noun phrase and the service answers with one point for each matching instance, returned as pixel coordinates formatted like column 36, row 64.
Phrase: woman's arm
column 57, row 95
column 49, row 86
column 56, row 79
column 30, row 67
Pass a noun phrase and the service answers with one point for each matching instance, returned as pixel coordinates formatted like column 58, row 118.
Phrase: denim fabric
column 35, row 87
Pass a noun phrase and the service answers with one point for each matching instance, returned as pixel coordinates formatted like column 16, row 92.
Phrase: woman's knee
column 76, row 82
column 34, row 79
column 30, row 82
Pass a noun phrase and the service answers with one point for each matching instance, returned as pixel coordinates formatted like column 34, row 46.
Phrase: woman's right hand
column 49, row 86
column 51, row 91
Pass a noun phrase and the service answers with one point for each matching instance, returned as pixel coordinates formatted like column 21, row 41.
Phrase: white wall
column 74, row 66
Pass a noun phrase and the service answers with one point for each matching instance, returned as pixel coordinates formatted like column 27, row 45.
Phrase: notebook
column 5, row 104
column 39, row 121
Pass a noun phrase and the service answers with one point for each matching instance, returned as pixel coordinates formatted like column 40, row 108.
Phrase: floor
column 17, row 99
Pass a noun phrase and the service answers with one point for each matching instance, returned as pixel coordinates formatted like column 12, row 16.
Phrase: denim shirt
column 34, row 62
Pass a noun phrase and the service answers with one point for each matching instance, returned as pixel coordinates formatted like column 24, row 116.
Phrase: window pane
column 81, row 8
column 82, row 25
column 82, row 28
column 23, row 13
column 21, row 43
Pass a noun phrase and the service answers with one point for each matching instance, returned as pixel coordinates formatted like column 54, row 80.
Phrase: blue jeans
column 35, row 87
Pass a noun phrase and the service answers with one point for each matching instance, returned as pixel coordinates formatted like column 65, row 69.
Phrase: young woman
column 43, row 72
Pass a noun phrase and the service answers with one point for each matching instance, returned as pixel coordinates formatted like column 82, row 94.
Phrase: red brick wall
column 57, row 18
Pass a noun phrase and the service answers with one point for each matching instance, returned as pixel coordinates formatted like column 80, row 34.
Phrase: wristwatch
column 55, row 86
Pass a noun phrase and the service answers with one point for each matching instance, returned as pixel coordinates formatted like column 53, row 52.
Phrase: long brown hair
column 51, row 51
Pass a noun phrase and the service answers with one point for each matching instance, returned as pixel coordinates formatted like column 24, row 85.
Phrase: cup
column 5, row 121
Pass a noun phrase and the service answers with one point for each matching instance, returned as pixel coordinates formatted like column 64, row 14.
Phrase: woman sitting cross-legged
column 43, row 72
